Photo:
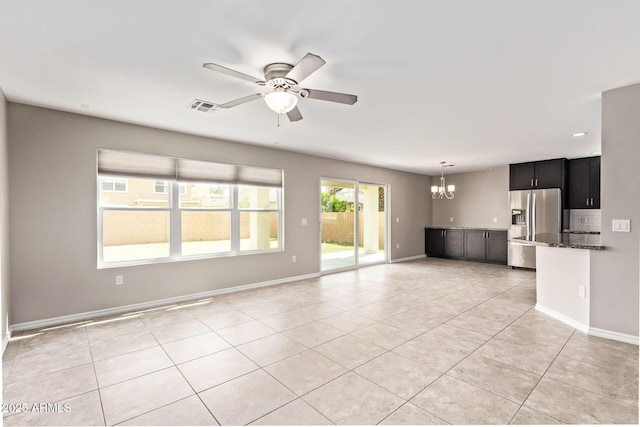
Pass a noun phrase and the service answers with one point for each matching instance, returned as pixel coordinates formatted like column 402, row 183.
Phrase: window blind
column 199, row 171
column 123, row 163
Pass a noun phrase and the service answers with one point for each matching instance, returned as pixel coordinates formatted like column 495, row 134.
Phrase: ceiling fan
column 283, row 80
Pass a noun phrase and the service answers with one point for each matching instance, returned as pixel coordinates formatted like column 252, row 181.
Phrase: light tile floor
column 424, row 342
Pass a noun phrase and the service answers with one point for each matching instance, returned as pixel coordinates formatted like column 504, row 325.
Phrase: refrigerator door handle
column 527, row 216
column 533, row 217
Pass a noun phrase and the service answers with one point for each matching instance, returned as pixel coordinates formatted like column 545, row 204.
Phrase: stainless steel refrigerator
column 531, row 212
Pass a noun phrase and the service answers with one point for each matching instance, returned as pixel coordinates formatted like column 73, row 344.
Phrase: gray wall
column 614, row 271
column 4, row 219
column 479, row 197
column 52, row 157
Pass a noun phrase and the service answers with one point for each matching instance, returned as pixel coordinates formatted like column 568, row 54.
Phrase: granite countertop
column 580, row 232
column 440, row 227
column 564, row 240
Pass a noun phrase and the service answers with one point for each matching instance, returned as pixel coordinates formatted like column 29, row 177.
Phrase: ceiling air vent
column 203, row 106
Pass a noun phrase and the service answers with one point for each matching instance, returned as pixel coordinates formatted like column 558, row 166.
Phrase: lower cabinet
column 486, row 245
column 497, row 246
column 434, row 242
column 454, row 243
column 468, row 244
column 475, row 244
column 440, row 242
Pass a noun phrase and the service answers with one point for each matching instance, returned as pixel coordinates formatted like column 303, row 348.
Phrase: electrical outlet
column 119, row 279
column 397, row 245
column 582, row 292
column 495, row 220
column 451, row 219
column 293, row 258
column 303, row 221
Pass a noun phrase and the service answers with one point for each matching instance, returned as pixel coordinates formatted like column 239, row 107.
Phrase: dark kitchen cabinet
column 497, row 246
column 444, row 242
column 434, row 242
column 486, row 245
column 468, row 244
column 454, row 243
column 540, row 174
column 521, row 176
column 584, row 183
column 475, row 244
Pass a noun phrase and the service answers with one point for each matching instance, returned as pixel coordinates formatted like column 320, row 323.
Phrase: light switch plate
column 303, row 221
column 621, row 225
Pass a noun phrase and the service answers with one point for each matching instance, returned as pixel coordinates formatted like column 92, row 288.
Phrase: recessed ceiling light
column 596, row 153
column 580, row 134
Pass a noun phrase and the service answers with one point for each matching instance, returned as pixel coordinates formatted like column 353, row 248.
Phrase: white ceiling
column 477, row 83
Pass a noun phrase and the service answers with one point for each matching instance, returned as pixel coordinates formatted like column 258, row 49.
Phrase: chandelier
column 439, row 191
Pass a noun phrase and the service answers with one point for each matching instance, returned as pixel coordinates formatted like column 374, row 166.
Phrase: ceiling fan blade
column 232, row 73
column 323, row 95
column 307, row 66
column 294, row 115
column 241, row 100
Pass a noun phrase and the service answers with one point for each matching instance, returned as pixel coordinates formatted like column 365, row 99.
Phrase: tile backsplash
column 584, row 219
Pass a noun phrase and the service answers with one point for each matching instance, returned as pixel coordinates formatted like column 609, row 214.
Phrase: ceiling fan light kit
column 281, row 101
column 283, row 80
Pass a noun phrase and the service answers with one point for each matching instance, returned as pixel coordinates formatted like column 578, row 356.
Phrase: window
column 160, row 187
column 259, row 217
column 206, row 219
column 183, row 209
column 114, row 184
column 135, row 225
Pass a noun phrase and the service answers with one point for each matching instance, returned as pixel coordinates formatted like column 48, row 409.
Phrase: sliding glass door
column 353, row 224
column 338, row 227
column 372, row 226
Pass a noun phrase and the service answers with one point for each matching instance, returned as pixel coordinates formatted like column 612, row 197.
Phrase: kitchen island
column 563, row 271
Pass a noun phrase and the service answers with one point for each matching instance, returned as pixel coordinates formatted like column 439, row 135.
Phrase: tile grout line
column 541, row 377
column 95, row 373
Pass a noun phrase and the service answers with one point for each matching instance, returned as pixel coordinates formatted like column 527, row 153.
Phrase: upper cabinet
column 584, row 183
column 541, row 174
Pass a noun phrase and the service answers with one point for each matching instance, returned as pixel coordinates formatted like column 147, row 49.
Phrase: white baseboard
column 596, row 332
column 617, row 336
column 60, row 320
column 410, row 258
column 563, row 318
